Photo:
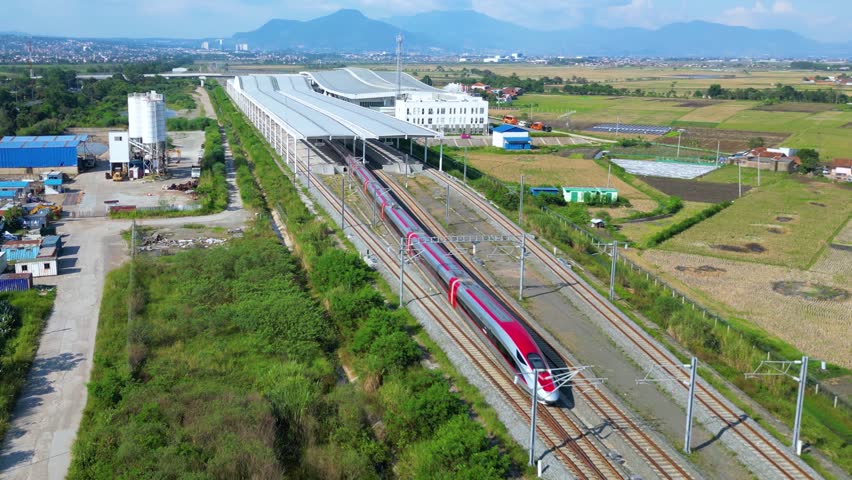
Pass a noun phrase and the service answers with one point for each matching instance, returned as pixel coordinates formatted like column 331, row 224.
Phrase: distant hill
column 467, row 31
column 342, row 31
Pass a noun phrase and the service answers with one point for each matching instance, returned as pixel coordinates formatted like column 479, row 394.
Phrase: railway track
column 656, row 458
column 758, row 442
column 568, row 442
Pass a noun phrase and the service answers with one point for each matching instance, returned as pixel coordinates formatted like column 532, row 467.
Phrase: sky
column 825, row 20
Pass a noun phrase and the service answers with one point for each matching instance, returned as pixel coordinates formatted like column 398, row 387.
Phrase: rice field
column 822, row 328
column 716, row 112
column 555, row 170
column 785, row 223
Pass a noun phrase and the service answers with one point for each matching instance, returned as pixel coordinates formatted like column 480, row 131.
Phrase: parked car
column 465, row 135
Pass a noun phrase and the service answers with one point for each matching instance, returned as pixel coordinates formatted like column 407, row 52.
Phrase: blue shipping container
column 16, row 282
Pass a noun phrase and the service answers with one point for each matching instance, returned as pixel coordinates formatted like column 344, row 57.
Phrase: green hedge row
column 672, row 230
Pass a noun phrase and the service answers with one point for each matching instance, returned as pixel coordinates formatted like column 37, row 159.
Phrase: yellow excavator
column 55, row 210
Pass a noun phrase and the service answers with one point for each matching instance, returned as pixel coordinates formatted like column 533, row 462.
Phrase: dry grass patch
column 781, row 300
column 554, row 170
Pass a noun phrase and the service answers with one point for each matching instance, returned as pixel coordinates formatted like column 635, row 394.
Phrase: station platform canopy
column 361, row 83
column 308, row 114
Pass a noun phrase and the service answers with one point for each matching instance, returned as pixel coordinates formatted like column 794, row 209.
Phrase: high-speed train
column 500, row 326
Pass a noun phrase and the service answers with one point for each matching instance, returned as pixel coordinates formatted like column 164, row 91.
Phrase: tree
column 427, row 80
column 810, row 159
column 756, row 142
column 715, row 90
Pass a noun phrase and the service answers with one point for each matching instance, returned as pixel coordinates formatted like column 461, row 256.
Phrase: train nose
column 549, row 398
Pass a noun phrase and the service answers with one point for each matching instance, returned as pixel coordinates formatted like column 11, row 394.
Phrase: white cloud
column 637, row 13
column 757, row 14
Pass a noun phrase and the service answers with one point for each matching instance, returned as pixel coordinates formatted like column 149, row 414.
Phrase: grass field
column 641, row 231
column 787, row 222
column 555, row 170
column 803, row 125
column 728, row 174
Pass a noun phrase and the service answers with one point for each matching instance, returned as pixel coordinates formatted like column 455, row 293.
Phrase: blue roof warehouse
column 24, row 155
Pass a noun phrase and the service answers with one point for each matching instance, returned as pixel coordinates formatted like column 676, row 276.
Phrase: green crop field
column 824, row 127
column 639, row 232
column 787, row 222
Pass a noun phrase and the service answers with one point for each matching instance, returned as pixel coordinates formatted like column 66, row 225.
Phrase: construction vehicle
column 119, row 175
column 55, row 210
column 510, row 119
column 541, row 126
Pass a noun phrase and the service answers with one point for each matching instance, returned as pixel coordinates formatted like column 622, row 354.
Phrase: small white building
column 510, row 137
column 119, row 149
column 44, row 264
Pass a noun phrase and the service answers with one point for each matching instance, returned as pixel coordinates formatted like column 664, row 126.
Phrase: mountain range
column 470, row 32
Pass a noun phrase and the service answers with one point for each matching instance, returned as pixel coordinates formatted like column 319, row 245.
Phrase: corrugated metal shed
column 40, row 152
column 13, row 185
column 22, row 253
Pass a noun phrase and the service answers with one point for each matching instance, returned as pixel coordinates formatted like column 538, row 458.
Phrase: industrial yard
column 418, row 262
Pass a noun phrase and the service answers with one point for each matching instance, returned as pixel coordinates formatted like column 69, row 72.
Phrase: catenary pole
column 693, row 373
column 521, row 205
column 800, row 400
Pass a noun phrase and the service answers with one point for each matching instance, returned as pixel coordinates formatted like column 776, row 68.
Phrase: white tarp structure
column 651, row 168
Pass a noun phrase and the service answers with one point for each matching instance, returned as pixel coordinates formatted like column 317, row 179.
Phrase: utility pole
column 612, row 271
column 523, row 255
column 739, row 177
column 679, row 134
column 440, row 156
column 343, row 202
column 534, row 402
column 758, row 170
column 521, row 206
column 800, row 400
column 465, row 165
column 687, row 436
column 447, row 212
column 718, row 146
column 560, row 377
column 608, row 172
column 665, row 376
column 775, row 368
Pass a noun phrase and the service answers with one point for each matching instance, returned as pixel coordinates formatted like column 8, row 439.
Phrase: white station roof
column 309, row 114
column 360, row 83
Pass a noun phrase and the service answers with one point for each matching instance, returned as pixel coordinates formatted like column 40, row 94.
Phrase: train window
column 520, row 357
column 536, row 361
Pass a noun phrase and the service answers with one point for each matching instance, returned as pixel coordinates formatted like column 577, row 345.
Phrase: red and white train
column 500, row 326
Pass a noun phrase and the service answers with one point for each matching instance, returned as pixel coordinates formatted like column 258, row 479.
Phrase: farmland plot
column 807, row 309
column 785, row 223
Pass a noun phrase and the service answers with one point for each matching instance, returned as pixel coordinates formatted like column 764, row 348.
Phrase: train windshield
column 536, row 361
column 521, row 358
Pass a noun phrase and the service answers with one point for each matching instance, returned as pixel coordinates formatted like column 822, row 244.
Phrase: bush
column 672, row 230
column 460, row 449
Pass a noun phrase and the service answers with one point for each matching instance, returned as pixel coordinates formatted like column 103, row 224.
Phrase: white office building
column 447, row 111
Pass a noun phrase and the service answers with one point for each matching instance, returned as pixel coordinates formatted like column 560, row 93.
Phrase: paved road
column 48, row 413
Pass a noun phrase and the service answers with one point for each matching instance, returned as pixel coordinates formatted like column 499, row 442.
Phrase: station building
column 447, row 111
